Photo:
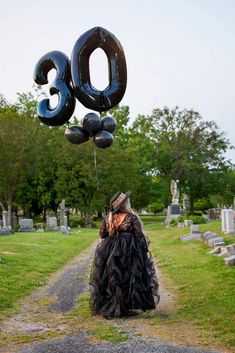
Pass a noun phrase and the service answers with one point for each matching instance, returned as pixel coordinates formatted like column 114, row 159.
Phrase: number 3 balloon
column 61, row 86
column 89, row 96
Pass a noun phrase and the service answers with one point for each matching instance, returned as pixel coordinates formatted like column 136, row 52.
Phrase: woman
column 123, row 277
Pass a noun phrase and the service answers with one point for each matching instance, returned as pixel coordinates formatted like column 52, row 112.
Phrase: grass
column 203, row 285
column 29, row 258
column 98, row 327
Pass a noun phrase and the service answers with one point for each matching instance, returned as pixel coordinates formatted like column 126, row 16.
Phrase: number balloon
column 89, row 96
column 61, row 86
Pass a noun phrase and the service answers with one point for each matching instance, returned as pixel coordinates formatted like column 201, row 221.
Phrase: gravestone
column 5, row 231
column 188, row 222
column 231, row 249
column 229, row 260
column 62, row 214
column 212, row 215
column 26, row 225
column 227, row 221
column 39, row 227
column 228, row 250
column 4, row 228
column 185, row 202
column 207, row 235
column 51, row 223
column 195, row 233
column 214, row 240
column 14, row 219
column 5, row 219
column 65, row 230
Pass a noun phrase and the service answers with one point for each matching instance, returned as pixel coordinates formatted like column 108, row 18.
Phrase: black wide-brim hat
column 118, row 200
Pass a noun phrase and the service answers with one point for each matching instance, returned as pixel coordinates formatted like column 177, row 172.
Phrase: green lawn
column 203, row 285
column 29, row 259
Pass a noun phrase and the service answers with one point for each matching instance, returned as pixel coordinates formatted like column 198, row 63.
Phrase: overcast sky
column 178, row 52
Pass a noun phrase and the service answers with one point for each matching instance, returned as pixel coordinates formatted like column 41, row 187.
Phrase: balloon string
column 96, row 170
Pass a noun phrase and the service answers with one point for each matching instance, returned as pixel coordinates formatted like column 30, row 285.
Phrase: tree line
column 39, row 167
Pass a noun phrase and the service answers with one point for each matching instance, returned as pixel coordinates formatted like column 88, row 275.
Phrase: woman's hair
column 114, row 220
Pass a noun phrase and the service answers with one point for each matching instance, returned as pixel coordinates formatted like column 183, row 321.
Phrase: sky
column 178, row 52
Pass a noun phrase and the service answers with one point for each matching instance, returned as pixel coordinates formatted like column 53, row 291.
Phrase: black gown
column 123, row 278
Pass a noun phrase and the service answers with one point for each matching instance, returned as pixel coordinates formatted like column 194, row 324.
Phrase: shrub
column 197, row 219
column 174, row 222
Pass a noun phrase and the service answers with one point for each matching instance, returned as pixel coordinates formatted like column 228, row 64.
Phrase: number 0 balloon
column 89, row 96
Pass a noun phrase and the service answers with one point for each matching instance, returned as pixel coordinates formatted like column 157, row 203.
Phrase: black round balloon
column 103, row 139
column 61, row 86
column 91, row 123
column 76, row 135
column 108, row 123
column 89, row 96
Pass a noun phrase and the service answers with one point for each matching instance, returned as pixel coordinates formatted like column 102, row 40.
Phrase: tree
column 186, row 148
column 18, row 131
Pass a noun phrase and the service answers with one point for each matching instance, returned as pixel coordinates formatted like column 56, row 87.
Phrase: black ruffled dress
column 123, row 277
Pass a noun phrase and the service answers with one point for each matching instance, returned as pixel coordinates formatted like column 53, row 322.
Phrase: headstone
column 14, row 219
column 227, row 221
column 5, row 219
column 52, row 223
column 180, row 225
column 26, row 225
column 185, row 202
column 195, row 233
column 188, row 222
column 215, row 251
column 212, row 215
column 228, row 250
column 214, row 240
column 229, row 260
column 65, row 230
column 39, row 227
column 173, row 212
column 219, row 244
column 208, row 235
column 231, row 249
column 5, row 231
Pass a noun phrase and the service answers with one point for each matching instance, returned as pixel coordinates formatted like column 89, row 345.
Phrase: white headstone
column 227, row 221
column 52, row 223
column 4, row 218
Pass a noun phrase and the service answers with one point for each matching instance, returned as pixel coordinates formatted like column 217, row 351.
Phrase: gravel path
column 78, row 344
column 60, row 296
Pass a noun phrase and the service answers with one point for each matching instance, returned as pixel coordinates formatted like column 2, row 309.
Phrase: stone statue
column 175, row 191
column 62, row 212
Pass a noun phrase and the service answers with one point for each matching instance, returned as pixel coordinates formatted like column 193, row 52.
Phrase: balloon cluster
column 92, row 126
column 73, row 80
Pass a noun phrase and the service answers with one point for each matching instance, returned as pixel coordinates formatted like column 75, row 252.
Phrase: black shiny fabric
column 123, row 277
